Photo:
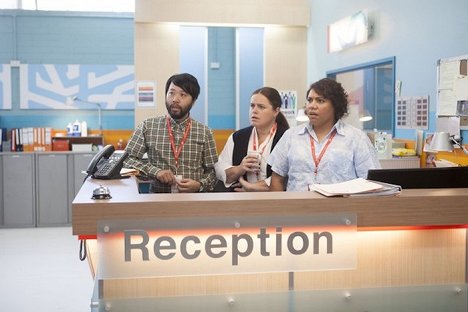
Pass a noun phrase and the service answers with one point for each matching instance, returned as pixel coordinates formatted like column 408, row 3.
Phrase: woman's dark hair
column 186, row 82
column 275, row 99
column 333, row 91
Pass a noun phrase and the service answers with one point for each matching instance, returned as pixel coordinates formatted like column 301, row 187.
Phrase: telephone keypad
column 109, row 165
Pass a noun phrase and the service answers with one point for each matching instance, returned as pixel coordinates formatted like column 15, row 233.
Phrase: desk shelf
column 65, row 143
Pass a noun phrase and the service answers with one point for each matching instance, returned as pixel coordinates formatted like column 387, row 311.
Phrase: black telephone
column 107, row 164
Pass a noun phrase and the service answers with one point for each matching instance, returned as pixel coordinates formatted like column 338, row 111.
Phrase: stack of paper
column 128, row 172
column 444, row 163
column 356, row 187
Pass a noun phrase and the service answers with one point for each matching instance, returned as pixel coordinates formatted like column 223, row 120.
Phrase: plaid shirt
column 196, row 160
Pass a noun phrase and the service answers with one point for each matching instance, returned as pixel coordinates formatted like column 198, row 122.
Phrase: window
column 370, row 88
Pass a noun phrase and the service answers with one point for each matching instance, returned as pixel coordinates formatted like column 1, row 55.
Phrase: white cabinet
column 80, row 164
column 52, row 189
column 37, row 189
column 17, row 204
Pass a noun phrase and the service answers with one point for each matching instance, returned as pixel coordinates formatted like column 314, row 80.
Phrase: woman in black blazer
column 242, row 164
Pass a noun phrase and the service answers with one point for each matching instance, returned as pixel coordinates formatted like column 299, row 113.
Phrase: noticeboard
column 452, row 86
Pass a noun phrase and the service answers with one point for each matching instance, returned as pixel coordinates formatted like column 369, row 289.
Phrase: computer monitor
column 454, row 177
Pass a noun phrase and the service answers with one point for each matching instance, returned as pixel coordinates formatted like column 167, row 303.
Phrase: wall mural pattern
column 5, row 86
column 47, row 86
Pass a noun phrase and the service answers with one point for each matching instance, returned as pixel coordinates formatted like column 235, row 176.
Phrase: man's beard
column 181, row 113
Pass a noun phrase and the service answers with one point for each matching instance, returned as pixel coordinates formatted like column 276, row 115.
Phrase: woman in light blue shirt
column 325, row 150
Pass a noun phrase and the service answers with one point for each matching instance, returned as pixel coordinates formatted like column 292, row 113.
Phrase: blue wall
column 40, row 37
column 417, row 33
column 192, row 43
column 250, row 69
column 235, row 50
column 222, row 81
column 402, row 29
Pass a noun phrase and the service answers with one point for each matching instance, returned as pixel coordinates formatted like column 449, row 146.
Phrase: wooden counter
column 413, row 208
column 433, row 255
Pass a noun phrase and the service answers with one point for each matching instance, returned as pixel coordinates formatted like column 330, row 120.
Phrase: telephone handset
column 107, row 164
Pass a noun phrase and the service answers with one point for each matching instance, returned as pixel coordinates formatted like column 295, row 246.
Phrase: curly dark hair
column 333, row 91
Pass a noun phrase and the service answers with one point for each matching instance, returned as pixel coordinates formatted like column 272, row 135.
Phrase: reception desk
column 411, row 252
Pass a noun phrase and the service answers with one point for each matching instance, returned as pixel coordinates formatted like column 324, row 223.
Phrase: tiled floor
column 40, row 271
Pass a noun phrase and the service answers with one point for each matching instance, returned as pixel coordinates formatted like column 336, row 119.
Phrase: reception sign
column 235, row 245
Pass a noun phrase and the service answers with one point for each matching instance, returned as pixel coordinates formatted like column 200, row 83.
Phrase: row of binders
column 31, row 139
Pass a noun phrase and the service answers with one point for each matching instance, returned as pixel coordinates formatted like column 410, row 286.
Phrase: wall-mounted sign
column 289, row 103
column 146, row 93
column 349, row 32
column 234, row 245
column 412, row 112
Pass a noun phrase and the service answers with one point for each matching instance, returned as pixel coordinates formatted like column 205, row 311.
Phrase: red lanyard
column 324, row 149
column 177, row 151
column 254, row 143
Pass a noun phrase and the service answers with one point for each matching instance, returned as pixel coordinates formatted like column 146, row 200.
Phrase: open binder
column 356, row 187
